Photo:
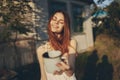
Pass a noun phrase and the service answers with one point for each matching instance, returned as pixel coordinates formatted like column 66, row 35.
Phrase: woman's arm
column 71, row 58
column 40, row 51
column 69, row 68
column 73, row 46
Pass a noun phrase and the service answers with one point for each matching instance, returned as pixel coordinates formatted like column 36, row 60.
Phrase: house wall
column 40, row 18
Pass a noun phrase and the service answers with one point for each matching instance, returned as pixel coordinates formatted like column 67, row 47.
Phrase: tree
column 13, row 21
column 111, row 23
column 12, row 18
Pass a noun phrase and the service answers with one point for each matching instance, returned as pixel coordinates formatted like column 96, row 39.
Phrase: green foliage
column 17, row 26
column 4, row 33
column 81, row 61
column 114, row 12
column 111, row 24
column 12, row 18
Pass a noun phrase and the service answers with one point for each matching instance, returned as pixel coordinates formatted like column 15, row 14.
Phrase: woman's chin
column 57, row 32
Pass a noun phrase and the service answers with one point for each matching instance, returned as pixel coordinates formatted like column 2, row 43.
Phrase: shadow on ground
column 88, row 67
column 28, row 72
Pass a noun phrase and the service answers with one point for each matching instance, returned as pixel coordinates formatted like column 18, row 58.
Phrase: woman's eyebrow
column 59, row 20
column 54, row 17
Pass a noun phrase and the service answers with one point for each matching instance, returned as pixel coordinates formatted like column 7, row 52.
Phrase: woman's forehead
column 59, row 15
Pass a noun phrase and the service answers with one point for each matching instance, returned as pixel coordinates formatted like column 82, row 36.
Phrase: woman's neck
column 58, row 35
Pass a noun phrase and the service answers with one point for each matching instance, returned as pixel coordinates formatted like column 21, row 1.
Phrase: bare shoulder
column 73, row 42
column 40, row 50
column 73, row 46
column 43, row 48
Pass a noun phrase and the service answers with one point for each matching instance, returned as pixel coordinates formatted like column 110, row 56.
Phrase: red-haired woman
column 59, row 39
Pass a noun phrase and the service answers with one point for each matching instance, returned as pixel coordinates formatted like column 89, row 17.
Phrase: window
column 77, row 19
column 56, row 5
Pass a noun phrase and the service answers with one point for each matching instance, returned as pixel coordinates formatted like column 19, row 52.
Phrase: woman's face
column 57, row 22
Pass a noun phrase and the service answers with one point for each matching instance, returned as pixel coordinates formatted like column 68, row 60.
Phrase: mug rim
column 50, row 57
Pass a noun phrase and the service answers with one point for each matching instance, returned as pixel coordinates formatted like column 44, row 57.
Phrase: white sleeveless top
column 63, row 76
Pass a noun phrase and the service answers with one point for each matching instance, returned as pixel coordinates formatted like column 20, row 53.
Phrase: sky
column 103, row 3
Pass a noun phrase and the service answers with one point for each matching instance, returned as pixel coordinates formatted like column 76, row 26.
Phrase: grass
column 108, row 47
column 102, row 63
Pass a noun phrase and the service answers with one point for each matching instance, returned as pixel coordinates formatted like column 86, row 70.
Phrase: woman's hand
column 63, row 68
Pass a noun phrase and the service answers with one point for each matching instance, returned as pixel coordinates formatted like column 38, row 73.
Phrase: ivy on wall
column 12, row 18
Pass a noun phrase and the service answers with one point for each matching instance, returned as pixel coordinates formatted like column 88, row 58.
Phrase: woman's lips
column 56, row 27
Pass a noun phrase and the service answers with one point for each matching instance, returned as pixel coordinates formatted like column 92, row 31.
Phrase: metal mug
column 51, row 58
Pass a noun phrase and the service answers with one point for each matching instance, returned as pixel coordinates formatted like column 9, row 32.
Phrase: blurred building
column 81, row 28
column 22, row 51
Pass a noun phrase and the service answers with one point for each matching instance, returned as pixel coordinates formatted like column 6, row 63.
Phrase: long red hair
column 63, row 42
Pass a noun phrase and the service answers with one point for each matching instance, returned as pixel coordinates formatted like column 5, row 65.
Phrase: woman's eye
column 61, row 22
column 54, row 18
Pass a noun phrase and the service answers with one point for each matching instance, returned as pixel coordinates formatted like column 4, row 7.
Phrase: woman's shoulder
column 40, row 50
column 43, row 48
column 73, row 42
column 73, row 46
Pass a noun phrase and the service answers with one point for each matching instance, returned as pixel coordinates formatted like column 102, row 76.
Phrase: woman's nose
column 56, row 22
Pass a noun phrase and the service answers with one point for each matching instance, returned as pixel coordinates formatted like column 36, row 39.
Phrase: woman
column 59, row 39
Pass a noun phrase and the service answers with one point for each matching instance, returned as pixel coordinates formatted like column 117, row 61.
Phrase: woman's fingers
column 63, row 66
column 58, row 72
column 66, row 66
